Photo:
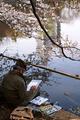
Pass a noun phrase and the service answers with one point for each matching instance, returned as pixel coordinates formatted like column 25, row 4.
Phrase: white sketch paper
column 33, row 83
column 39, row 100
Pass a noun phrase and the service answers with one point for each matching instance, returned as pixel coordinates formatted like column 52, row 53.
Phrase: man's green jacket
column 14, row 89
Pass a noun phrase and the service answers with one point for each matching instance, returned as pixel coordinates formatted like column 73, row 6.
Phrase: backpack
column 21, row 113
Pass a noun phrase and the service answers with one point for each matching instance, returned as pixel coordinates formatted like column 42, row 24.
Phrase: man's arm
column 26, row 95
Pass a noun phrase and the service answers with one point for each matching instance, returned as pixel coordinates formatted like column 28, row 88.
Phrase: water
column 21, row 46
column 60, row 88
column 71, row 30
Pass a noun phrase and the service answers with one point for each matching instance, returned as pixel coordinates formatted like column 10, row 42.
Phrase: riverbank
column 22, row 113
column 59, row 115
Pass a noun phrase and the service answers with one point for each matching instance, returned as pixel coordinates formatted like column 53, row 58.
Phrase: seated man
column 14, row 87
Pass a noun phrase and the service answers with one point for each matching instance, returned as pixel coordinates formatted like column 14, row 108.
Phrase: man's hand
column 33, row 88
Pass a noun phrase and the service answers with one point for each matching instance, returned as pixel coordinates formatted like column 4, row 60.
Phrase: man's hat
column 21, row 63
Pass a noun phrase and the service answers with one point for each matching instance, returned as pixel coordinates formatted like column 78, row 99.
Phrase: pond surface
column 71, row 30
column 60, row 88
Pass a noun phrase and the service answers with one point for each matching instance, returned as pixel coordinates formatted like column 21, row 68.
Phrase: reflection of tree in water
column 69, row 12
column 37, row 73
column 44, row 50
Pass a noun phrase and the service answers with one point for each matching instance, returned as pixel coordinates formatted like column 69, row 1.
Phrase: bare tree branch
column 71, row 47
column 62, row 49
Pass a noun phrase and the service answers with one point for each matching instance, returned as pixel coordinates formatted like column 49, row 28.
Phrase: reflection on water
column 22, row 46
column 63, row 89
column 62, row 84
column 65, row 65
column 71, row 31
